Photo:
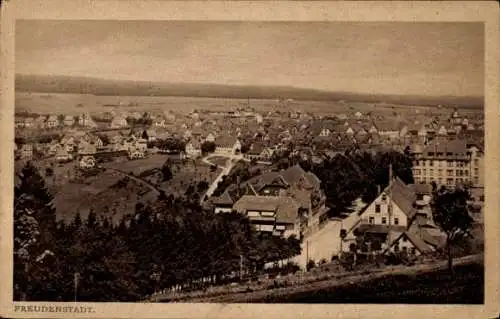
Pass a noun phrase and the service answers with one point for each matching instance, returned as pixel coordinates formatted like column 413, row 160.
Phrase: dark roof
column 225, row 141
column 224, row 199
column 403, row 196
column 421, row 188
column 256, row 149
column 456, row 147
column 417, row 241
column 286, row 208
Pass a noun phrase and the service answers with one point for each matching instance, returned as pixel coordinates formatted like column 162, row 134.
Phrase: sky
column 433, row 59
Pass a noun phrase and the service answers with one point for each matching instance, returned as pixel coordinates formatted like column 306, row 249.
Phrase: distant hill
column 84, row 85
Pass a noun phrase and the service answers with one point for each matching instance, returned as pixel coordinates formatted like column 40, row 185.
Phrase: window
column 466, row 173
column 440, row 172
column 396, row 221
column 476, row 180
column 413, row 250
column 476, row 171
column 439, row 154
column 431, row 172
column 431, row 153
column 371, row 220
column 377, row 208
column 424, row 172
column 450, row 163
column 449, row 154
column 449, row 181
column 440, row 181
column 384, row 220
column 416, row 171
column 476, row 162
column 449, row 172
column 431, row 163
column 459, row 172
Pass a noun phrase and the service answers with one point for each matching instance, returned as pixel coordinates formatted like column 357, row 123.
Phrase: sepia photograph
column 248, row 162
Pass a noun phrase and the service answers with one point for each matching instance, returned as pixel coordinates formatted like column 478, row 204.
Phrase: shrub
column 310, row 264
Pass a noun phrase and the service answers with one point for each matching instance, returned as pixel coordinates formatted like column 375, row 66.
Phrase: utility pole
column 389, row 207
column 75, row 280
column 241, row 267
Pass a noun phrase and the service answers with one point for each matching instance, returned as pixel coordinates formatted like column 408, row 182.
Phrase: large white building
column 449, row 163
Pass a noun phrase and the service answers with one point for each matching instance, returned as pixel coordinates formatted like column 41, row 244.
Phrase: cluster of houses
column 55, row 121
column 281, row 203
column 83, row 146
column 291, row 202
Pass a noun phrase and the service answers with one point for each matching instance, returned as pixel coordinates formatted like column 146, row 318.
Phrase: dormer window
column 384, row 197
column 377, row 208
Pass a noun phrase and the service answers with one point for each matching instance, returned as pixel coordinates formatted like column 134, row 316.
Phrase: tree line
column 91, row 258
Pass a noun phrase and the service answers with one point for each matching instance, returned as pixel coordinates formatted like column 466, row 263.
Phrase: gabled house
column 29, row 122
column 26, row 151
column 159, row 121
column 136, row 154
column 85, row 148
column 271, row 214
column 68, row 143
column 69, row 120
column 392, row 210
column 52, row 121
column 193, row 148
column 87, row 162
column 227, row 145
column 63, row 155
column 119, row 122
column 86, row 120
column 40, row 121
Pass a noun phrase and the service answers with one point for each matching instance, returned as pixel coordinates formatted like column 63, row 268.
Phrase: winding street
column 230, row 162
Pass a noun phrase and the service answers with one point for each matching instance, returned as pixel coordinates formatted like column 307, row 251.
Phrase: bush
column 310, row 264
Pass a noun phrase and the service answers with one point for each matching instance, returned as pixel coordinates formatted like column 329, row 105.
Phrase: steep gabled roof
column 286, row 208
column 403, row 196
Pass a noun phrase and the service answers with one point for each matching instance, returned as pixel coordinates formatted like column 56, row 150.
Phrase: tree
column 451, row 214
column 208, row 147
column 34, row 228
column 166, row 172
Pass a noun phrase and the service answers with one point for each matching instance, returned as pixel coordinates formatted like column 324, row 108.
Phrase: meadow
column 67, row 103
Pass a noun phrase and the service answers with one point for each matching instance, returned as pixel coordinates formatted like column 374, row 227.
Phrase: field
column 56, row 103
column 437, row 287
column 189, row 174
column 138, row 166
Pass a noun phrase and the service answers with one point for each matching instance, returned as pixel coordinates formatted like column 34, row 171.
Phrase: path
column 230, row 162
column 138, row 179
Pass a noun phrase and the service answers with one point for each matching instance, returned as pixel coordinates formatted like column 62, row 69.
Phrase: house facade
column 193, row 149
column 271, row 214
column 449, row 163
column 227, row 145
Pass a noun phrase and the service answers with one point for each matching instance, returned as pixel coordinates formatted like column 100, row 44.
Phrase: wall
column 396, row 213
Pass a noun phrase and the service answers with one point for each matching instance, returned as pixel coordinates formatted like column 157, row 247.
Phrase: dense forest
column 172, row 242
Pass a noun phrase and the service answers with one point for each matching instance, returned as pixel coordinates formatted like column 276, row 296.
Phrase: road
column 230, row 162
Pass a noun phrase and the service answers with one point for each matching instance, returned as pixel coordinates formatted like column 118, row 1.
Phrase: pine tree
column 34, row 231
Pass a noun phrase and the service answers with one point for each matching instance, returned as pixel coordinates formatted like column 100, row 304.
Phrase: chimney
column 378, row 189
